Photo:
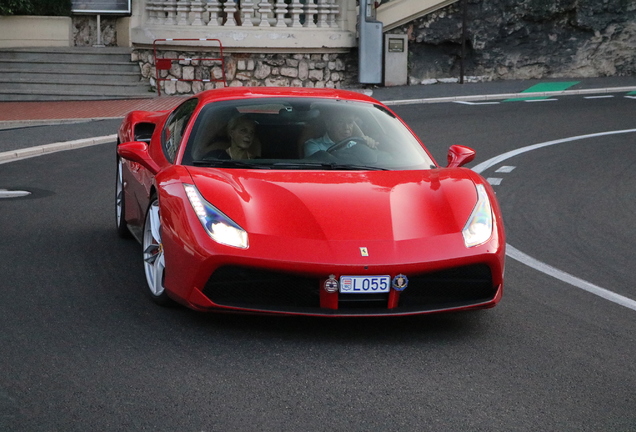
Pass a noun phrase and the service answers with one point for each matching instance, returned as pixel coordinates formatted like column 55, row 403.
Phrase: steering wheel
column 340, row 144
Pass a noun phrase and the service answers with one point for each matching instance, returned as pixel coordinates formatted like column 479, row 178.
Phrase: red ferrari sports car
column 307, row 202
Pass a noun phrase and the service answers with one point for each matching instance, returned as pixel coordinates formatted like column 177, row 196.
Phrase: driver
column 340, row 125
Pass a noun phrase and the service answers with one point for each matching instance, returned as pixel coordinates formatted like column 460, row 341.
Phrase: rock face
column 524, row 39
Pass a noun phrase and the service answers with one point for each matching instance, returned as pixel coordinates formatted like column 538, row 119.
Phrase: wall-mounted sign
column 101, row 7
column 396, row 45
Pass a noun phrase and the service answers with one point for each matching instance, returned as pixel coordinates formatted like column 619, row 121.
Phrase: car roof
column 229, row 93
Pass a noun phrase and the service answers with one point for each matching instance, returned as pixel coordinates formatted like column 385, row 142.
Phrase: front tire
column 120, row 203
column 153, row 255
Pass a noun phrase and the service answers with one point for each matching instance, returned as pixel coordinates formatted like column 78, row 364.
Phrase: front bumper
column 262, row 291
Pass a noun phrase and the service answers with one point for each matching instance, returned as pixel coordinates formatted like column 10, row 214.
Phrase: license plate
column 364, row 284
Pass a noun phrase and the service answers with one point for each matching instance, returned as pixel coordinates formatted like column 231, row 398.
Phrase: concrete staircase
column 395, row 13
column 74, row 73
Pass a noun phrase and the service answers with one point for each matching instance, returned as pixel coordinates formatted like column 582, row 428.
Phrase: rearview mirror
column 137, row 151
column 459, row 155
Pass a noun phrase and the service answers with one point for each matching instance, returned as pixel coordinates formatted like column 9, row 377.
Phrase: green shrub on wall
column 15, row 7
column 36, row 7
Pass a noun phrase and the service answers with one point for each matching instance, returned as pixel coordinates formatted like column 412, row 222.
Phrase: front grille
column 363, row 301
column 265, row 290
column 460, row 286
column 262, row 289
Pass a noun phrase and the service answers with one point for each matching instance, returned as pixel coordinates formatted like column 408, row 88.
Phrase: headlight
column 221, row 228
column 478, row 229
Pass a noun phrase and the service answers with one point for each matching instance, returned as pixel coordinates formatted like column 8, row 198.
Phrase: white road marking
column 505, row 169
column 598, row 97
column 630, row 97
column 516, row 254
column 476, row 103
column 5, row 193
column 495, row 181
column 479, row 168
column 540, row 100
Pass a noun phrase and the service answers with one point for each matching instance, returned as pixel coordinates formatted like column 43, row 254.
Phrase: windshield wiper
column 325, row 165
column 226, row 163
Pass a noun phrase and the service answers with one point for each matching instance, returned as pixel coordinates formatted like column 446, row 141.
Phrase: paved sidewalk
column 34, row 112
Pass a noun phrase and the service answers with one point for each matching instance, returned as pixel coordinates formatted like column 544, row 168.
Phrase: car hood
column 342, row 205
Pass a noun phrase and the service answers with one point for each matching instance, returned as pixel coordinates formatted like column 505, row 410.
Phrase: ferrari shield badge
column 400, row 282
column 331, row 284
column 364, row 252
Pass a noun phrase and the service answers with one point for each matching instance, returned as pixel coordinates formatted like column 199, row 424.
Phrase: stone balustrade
column 275, row 25
column 247, row 13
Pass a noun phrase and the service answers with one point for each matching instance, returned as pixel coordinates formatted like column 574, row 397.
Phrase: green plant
column 36, row 7
column 16, row 7
column 54, row 7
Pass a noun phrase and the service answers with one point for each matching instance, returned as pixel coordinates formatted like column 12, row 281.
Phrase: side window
column 175, row 127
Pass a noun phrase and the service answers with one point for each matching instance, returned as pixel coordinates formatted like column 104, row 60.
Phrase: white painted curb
column 55, row 147
column 501, row 96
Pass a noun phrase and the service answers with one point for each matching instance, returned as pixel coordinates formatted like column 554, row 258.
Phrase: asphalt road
column 83, row 348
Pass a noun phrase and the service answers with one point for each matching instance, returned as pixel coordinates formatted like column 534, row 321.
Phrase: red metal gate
column 165, row 63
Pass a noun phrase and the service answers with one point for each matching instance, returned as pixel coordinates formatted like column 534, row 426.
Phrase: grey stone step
column 60, row 94
column 19, row 97
column 62, row 77
column 69, row 67
column 67, row 55
column 64, row 58
column 55, row 88
column 72, row 50
column 69, row 73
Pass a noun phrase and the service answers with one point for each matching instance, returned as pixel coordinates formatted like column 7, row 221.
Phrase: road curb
column 29, row 152
column 14, row 124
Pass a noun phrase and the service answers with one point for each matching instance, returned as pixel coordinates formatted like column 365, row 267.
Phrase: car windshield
column 302, row 133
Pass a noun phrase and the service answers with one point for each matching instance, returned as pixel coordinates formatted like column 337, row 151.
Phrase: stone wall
column 287, row 70
column 524, row 39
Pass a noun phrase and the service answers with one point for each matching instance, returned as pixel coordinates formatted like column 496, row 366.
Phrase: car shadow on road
column 386, row 330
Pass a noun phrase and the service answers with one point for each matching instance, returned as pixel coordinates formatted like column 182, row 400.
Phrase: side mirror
column 137, row 151
column 459, row 155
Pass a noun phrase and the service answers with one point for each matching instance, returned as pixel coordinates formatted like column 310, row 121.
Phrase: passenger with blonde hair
column 243, row 141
